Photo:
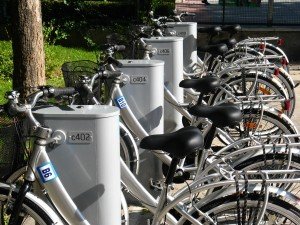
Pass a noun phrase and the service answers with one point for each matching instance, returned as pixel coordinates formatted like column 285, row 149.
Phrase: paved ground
column 295, row 72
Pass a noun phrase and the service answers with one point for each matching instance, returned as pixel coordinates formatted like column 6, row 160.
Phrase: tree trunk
column 28, row 46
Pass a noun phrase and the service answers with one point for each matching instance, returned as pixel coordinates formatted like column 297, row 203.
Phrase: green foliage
column 5, row 85
column 163, row 8
column 55, row 57
column 55, row 32
column 75, row 23
column 93, row 12
column 6, row 60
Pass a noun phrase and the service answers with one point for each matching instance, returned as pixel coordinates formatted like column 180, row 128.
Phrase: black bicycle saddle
column 203, row 85
column 179, row 143
column 223, row 115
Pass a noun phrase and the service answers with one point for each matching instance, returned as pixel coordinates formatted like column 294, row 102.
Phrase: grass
column 55, row 57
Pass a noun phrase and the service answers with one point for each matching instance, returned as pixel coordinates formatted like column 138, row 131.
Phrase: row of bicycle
column 244, row 101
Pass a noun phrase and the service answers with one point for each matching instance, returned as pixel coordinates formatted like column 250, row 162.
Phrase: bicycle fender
column 287, row 76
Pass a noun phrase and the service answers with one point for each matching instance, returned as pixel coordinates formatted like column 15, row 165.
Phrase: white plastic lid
column 77, row 111
column 141, row 63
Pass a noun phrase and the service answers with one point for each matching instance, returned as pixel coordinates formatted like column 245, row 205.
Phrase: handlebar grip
column 144, row 35
column 169, row 20
column 112, row 74
column 13, row 108
column 4, row 108
column 114, row 61
column 119, row 48
column 232, row 28
column 190, row 14
column 55, row 92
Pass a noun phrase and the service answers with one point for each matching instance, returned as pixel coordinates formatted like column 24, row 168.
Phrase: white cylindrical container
column 88, row 163
column 170, row 50
column 187, row 30
column 144, row 94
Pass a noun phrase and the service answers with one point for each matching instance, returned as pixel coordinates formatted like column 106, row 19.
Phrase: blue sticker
column 47, row 172
column 121, row 102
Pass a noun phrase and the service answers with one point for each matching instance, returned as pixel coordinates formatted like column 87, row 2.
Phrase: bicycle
column 185, row 202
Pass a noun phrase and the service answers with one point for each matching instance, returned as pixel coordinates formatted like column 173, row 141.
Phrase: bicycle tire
column 231, row 56
column 282, row 77
column 270, row 49
column 127, row 150
column 272, row 162
column 223, row 208
column 30, row 208
column 264, row 84
column 270, row 124
column 288, row 85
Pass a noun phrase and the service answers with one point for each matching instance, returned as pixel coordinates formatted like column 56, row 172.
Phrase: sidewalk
column 295, row 73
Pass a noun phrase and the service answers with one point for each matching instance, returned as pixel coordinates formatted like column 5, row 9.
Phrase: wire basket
column 72, row 71
column 11, row 147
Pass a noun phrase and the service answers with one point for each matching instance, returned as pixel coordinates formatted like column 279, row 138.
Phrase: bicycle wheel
column 251, row 86
column 283, row 78
column 223, row 211
column 287, row 83
column 269, row 124
column 274, row 161
column 31, row 213
column 271, row 49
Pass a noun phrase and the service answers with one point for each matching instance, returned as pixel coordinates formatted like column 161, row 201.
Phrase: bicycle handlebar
column 114, row 61
column 14, row 107
column 173, row 18
column 111, row 74
column 119, row 48
column 111, row 49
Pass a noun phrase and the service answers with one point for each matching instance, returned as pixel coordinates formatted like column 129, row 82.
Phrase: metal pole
column 137, row 8
column 223, row 17
column 270, row 12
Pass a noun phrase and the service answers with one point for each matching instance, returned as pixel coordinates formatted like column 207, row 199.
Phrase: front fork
column 27, row 184
column 17, row 206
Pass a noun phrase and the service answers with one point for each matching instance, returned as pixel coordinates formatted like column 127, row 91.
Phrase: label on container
column 139, row 79
column 47, row 172
column 121, row 102
column 163, row 51
column 181, row 33
column 80, row 137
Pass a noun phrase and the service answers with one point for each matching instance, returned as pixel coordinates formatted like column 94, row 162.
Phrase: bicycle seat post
column 208, row 139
